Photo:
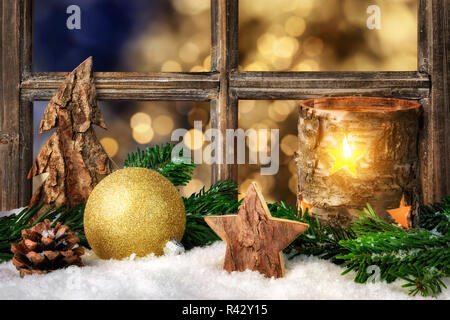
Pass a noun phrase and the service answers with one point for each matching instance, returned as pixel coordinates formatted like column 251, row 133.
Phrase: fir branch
column 426, row 281
column 160, row 159
column 217, row 200
column 420, row 257
column 11, row 226
column 318, row 240
column 436, row 217
column 369, row 222
column 399, row 254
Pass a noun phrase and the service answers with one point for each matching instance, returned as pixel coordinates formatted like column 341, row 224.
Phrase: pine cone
column 44, row 249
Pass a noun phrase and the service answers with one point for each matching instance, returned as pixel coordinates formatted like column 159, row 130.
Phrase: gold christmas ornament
column 133, row 210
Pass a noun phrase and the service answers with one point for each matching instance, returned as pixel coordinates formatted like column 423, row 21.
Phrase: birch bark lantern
column 356, row 150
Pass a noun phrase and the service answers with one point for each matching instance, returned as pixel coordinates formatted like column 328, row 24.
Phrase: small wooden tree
column 73, row 156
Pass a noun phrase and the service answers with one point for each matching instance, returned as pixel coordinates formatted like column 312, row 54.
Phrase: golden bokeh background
column 281, row 35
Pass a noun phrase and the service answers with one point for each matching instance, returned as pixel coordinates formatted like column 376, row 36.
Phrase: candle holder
column 357, row 150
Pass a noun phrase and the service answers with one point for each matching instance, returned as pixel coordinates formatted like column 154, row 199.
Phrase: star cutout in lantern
column 403, row 214
column 345, row 157
column 254, row 238
column 304, row 206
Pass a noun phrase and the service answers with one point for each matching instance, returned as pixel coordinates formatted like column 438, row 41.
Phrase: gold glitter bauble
column 133, row 210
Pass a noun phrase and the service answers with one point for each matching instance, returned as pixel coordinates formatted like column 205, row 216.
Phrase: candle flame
column 346, row 148
column 345, row 157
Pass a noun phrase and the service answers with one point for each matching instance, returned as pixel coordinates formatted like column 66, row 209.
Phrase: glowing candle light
column 345, row 157
column 347, row 150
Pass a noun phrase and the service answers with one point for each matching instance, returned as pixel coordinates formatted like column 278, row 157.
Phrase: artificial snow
column 195, row 274
column 8, row 213
column 46, row 233
column 173, row 248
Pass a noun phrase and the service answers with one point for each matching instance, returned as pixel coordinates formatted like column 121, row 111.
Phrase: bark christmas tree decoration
column 73, row 156
column 254, row 238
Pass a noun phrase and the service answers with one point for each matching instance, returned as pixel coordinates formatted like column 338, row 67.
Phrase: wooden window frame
column 223, row 87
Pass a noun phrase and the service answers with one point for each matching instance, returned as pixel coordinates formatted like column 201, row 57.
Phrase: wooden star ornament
column 403, row 214
column 254, row 238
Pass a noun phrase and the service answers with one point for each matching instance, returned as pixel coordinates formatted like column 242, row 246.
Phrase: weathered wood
column 200, row 95
column 426, row 154
column 435, row 136
column 303, row 94
column 435, row 144
column 329, row 80
column 383, row 131
column 423, row 20
column 224, row 109
column 433, row 43
column 254, row 238
column 131, row 86
column 306, row 85
column 245, row 85
column 16, row 125
column 25, row 152
column 26, row 111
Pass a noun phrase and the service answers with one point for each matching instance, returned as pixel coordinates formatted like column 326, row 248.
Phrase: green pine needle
column 420, row 257
column 426, row 281
column 11, row 226
column 369, row 222
column 160, row 159
column 436, row 217
column 318, row 240
column 217, row 200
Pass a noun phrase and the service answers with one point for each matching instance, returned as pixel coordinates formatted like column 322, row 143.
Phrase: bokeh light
column 175, row 36
column 110, row 145
column 140, row 118
column 143, row 133
column 327, row 35
column 163, row 125
column 264, row 115
column 171, row 66
column 191, row 7
column 193, row 139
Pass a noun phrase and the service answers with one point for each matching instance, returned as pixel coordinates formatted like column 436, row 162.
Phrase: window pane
column 122, row 35
column 278, row 115
column 328, row 35
column 141, row 124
